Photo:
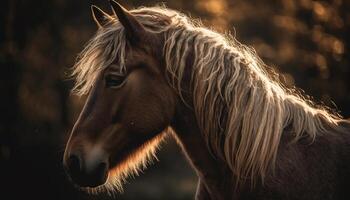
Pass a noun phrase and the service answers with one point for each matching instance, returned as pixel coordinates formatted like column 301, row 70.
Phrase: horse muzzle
column 90, row 170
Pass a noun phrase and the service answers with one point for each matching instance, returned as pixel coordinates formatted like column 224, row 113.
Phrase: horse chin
column 103, row 188
column 134, row 163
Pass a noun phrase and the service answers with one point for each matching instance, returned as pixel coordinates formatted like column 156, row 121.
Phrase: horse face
column 122, row 113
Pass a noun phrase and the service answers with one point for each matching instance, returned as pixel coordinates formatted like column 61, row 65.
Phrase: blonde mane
column 241, row 110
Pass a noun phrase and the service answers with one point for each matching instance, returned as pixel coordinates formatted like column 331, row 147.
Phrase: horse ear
column 101, row 18
column 134, row 30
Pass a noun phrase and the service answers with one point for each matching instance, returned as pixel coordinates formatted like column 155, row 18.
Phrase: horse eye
column 113, row 80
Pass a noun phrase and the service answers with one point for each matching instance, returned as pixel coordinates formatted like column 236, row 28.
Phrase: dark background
column 306, row 41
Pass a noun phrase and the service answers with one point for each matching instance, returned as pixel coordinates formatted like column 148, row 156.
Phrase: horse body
column 303, row 170
column 244, row 133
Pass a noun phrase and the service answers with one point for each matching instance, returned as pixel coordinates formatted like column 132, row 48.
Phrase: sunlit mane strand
column 241, row 111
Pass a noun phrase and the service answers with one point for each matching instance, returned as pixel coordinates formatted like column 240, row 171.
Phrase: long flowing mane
column 241, row 109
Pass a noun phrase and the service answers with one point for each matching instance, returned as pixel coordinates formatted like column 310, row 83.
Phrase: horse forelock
column 240, row 108
column 101, row 51
column 109, row 45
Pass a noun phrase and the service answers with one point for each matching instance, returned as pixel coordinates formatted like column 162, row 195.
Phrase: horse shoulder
column 311, row 169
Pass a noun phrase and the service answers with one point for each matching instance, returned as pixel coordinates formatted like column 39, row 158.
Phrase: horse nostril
column 99, row 174
column 102, row 171
column 74, row 164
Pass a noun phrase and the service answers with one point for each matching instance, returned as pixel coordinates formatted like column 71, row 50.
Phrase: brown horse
column 152, row 72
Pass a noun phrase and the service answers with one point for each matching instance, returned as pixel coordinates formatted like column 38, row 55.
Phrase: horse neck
column 213, row 173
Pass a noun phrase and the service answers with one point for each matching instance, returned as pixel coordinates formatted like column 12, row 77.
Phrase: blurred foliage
column 306, row 41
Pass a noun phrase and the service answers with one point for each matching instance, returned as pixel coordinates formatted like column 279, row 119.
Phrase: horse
column 152, row 72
